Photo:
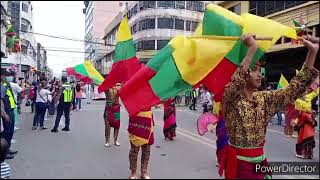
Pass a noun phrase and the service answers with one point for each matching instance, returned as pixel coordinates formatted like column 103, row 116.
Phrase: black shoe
column 12, row 152
column 65, row 129
column 9, row 156
column 42, row 128
column 34, row 128
column 54, row 130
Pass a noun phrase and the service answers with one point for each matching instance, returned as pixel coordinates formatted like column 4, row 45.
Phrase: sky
column 63, row 19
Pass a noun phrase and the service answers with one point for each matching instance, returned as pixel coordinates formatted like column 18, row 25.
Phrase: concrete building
column 153, row 24
column 42, row 65
column 20, row 14
column 4, row 16
column 97, row 15
column 284, row 57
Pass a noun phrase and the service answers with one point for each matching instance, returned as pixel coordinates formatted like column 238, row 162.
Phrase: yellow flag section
column 198, row 56
column 124, row 33
column 92, row 72
column 283, row 83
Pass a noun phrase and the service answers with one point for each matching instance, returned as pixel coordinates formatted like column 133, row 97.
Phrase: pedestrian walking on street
column 112, row 114
column 16, row 89
column 169, row 127
column 194, row 100
column 32, row 95
column 141, row 128
column 249, row 111
column 41, row 105
column 88, row 90
column 79, row 96
column 64, row 98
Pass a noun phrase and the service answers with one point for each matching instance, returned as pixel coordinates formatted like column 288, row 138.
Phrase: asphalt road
column 80, row 153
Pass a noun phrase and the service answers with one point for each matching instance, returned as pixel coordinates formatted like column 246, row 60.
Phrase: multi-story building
column 153, row 24
column 97, row 15
column 4, row 13
column 20, row 14
column 42, row 65
column 284, row 57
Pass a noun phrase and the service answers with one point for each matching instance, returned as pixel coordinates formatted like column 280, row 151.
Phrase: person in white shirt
column 88, row 93
column 206, row 100
column 42, row 105
column 16, row 89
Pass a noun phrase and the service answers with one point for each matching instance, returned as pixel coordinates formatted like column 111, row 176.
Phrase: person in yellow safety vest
column 64, row 97
column 9, row 105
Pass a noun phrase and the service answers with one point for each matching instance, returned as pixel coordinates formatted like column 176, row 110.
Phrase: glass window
column 195, row 6
column 165, row 23
column 180, row 4
column 166, row 4
column 24, row 28
column 24, row 49
column 146, row 4
column 264, row 8
column 188, row 25
column 24, row 7
column 146, row 24
column 145, row 45
column 194, row 25
column 236, row 9
column 179, row 24
column 161, row 44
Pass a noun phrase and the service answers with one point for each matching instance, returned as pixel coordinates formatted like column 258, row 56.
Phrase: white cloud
column 63, row 19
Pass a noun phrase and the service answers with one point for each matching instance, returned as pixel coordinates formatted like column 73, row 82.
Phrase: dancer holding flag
column 305, row 125
column 112, row 114
column 248, row 112
column 169, row 117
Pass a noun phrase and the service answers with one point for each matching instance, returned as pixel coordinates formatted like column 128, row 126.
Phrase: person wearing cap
column 64, row 99
column 9, row 104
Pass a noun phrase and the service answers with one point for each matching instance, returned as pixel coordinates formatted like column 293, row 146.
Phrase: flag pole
column 232, row 38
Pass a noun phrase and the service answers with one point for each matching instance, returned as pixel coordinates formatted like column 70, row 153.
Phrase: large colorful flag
column 125, row 63
column 191, row 61
column 283, row 83
column 86, row 70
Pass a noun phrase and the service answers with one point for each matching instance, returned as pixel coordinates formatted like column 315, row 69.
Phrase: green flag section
column 283, row 83
column 188, row 62
column 125, row 63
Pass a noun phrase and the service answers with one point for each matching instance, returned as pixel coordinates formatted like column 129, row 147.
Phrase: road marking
column 192, row 137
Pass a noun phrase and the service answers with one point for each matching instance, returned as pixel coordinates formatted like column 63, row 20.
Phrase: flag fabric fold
column 125, row 63
column 283, row 83
column 86, row 71
column 188, row 62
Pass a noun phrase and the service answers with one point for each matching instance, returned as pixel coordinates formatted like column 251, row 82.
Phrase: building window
column 161, row 44
column 24, row 28
column 24, row 49
column 165, row 23
column 264, row 8
column 24, row 7
column 146, row 4
column 166, row 4
column 180, row 4
column 179, row 24
column 194, row 26
column 195, row 6
column 188, row 25
column 134, row 28
column 146, row 45
column 147, row 24
column 236, row 9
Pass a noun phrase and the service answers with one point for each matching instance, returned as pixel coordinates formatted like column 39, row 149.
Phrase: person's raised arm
column 237, row 84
